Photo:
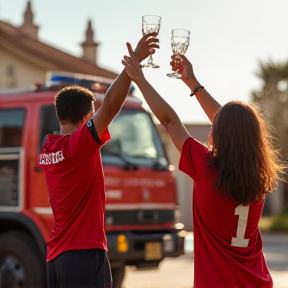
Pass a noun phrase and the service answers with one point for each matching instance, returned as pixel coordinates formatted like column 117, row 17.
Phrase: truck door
column 39, row 200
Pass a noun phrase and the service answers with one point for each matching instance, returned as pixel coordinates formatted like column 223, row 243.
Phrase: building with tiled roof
column 24, row 59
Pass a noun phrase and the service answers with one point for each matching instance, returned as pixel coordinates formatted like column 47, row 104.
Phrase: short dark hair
column 73, row 103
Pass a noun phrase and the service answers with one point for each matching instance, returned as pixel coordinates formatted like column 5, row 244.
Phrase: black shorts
column 80, row 269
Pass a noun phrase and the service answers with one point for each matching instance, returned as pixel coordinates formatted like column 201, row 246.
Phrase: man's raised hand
column 146, row 46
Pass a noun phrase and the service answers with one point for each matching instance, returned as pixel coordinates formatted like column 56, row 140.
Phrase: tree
column 273, row 100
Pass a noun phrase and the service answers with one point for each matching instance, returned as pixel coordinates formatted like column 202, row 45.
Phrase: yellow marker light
column 122, row 243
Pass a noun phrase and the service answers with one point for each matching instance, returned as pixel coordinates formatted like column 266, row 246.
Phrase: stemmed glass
column 179, row 43
column 150, row 24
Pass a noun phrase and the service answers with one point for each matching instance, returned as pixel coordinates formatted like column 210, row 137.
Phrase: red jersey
column 74, row 175
column 227, row 241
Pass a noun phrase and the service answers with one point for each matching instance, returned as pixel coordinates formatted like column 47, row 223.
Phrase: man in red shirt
column 76, row 253
column 231, row 179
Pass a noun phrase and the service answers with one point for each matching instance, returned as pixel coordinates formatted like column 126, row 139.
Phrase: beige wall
column 18, row 72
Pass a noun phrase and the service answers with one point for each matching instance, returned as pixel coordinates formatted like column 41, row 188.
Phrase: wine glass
column 179, row 43
column 150, row 24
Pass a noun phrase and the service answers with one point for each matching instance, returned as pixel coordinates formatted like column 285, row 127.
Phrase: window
column 11, row 131
column 134, row 139
column 10, row 177
column 11, row 127
column 48, row 123
column 10, row 71
column 11, row 76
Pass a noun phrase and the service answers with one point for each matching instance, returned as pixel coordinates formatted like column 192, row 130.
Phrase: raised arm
column 116, row 94
column 207, row 102
column 158, row 105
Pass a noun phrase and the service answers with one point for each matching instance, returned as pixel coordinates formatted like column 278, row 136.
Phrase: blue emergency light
column 97, row 84
column 94, row 83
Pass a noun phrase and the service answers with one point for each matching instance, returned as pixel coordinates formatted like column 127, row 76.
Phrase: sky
column 228, row 39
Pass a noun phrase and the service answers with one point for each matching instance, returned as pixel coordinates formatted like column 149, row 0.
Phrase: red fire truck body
column 141, row 197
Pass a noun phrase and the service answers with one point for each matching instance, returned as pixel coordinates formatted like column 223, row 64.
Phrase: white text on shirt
column 51, row 158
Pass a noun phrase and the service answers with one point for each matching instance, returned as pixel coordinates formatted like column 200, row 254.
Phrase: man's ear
column 87, row 117
column 62, row 122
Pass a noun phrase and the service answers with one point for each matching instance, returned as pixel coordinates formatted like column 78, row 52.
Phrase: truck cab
column 141, row 220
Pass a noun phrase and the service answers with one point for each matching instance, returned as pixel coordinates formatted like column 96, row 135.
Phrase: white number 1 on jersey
column 239, row 241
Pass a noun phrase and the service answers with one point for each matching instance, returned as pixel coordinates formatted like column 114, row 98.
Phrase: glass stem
column 175, row 61
column 150, row 59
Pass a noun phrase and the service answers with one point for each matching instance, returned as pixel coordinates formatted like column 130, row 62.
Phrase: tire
column 118, row 276
column 20, row 264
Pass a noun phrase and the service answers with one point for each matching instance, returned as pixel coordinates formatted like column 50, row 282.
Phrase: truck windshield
column 134, row 137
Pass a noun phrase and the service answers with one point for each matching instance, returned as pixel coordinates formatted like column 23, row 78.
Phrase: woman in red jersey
column 231, row 179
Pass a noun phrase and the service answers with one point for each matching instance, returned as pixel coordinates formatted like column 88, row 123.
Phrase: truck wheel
column 20, row 266
column 118, row 276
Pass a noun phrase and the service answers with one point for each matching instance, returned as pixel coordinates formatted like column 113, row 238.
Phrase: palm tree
column 273, row 100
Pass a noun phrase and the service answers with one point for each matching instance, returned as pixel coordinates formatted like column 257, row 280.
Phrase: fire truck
column 141, row 199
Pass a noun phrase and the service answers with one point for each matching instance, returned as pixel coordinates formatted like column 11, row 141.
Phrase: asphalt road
column 276, row 254
column 178, row 272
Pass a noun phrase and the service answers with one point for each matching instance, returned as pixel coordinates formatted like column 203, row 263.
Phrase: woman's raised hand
column 183, row 66
column 132, row 66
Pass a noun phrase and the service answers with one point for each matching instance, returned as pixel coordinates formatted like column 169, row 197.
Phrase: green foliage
column 277, row 223
column 271, row 70
column 273, row 100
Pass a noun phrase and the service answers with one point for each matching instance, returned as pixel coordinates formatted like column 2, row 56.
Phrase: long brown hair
column 242, row 150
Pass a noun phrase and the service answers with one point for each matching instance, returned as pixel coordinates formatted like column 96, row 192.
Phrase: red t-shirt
column 74, row 175
column 227, row 241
